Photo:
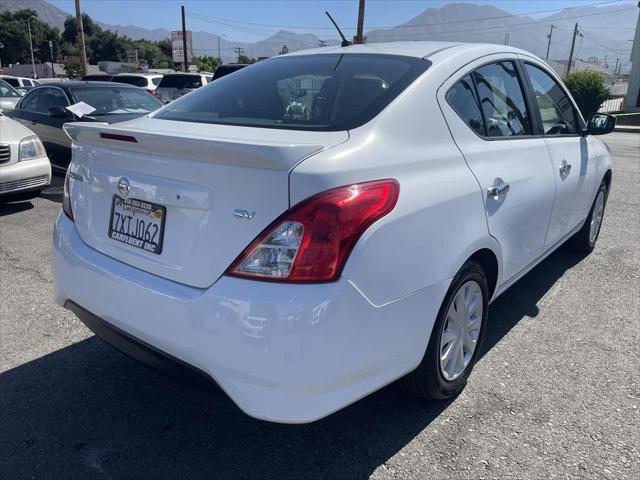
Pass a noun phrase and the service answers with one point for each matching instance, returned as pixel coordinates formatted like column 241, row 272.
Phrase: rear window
column 327, row 92
column 114, row 100
column 180, row 81
column 224, row 70
column 131, row 80
column 97, row 78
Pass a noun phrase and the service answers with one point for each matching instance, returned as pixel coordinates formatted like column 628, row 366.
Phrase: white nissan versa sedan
column 320, row 224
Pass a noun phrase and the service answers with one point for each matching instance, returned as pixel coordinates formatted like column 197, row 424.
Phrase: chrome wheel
column 596, row 218
column 461, row 330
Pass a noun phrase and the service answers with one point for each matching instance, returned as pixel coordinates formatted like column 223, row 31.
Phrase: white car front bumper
column 282, row 352
column 26, row 175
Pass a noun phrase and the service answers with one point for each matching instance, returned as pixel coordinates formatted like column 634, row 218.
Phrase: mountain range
column 605, row 30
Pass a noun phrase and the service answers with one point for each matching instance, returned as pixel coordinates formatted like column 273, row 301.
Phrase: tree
column 73, row 69
column 206, row 63
column 245, row 59
column 15, row 37
column 588, row 90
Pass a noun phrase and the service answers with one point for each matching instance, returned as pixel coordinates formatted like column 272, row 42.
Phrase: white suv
column 314, row 227
column 175, row 85
column 148, row 81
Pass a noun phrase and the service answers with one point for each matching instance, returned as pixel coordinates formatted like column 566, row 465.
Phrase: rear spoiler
column 255, row 154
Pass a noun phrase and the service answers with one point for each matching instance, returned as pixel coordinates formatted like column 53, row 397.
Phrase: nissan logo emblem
column 123, row 186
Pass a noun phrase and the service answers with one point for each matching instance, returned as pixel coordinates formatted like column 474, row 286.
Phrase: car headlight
column 31, row 147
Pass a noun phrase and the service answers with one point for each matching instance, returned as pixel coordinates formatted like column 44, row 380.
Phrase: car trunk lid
column 220, row 186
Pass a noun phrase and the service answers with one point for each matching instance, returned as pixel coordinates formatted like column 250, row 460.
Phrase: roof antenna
column 345, row 42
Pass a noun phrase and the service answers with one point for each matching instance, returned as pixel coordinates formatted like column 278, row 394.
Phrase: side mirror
column 60, row 112
column 600, row 124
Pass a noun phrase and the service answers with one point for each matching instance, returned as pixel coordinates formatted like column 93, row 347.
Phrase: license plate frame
column 142, row 208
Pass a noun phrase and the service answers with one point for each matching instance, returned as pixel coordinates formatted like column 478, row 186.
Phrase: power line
column 413, row 35
column 588, row 37
column 308, row 27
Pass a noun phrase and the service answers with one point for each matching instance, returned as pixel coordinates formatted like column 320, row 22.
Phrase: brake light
column 66, row 197
column 312, row 241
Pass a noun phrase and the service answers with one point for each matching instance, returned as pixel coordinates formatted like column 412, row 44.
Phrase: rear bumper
column 24, row 176
column 283, row 353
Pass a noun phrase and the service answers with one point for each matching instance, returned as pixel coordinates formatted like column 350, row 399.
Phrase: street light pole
column 220, row 57
column 33, row 62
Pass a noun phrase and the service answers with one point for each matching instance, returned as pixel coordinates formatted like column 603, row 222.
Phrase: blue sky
column 303, row 13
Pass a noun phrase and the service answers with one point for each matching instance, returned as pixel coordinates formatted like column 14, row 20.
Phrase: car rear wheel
column 585, row 240
column 456, row 338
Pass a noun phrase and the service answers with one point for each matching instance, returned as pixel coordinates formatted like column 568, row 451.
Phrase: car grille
column 24, row 183
column 5, row 154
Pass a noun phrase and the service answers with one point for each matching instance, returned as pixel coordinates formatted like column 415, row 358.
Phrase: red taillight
column 312, row 241
column 66, row 198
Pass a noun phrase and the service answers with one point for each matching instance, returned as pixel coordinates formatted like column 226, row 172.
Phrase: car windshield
column 7, row 90
column 180, row 81
column 131, row 80
column 326, row 92
column 114, row 100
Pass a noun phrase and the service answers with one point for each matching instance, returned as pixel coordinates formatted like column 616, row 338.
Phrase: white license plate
column 137, row 223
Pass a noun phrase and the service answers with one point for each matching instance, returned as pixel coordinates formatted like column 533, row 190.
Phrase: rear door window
column 463, row 99
column 502, row 100
column 327, row 92
column 30, row 102
column 180, row 81
column 14, row 82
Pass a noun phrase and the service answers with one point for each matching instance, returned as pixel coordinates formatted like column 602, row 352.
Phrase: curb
column 627, row 129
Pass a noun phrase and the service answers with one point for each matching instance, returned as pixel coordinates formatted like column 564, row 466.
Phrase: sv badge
column 244, row 214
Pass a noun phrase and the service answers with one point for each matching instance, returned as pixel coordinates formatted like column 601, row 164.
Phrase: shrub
column 588, row 89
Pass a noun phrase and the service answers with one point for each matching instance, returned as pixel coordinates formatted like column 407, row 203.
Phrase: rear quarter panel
column 439, row 219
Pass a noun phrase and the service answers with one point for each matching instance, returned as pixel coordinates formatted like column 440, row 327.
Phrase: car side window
column 50, row 97
column 27, row 83
column 556, row 110
column 30, row 102
column 502, row 100
column 462, row 98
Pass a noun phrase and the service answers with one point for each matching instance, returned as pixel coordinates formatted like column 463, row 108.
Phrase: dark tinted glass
column 224, row 70
column 156, row 80
column 180, row 81
column 135, row 81
column 502, row 100
column 7, row 90
column 462, row 98
column 556, row 110
column 114, row 100
column 12, row 81
column 314, row 92
column 97, row 78
column 50, row 97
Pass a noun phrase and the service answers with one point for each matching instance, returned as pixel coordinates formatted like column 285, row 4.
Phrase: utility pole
column 359, row 33
column 239, row 51
column 33, row 62
column 80, row 27
column 184, row 41
column 549, row 41
column 576, row 32
column 53, row 70
column 219, row 57
column 506, row 38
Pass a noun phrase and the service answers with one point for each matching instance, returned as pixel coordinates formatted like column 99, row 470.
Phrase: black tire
column 427, row 380
column 581, row 241
column 20, row 196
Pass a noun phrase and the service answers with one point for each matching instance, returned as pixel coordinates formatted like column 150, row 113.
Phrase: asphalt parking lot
column 556, row 393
